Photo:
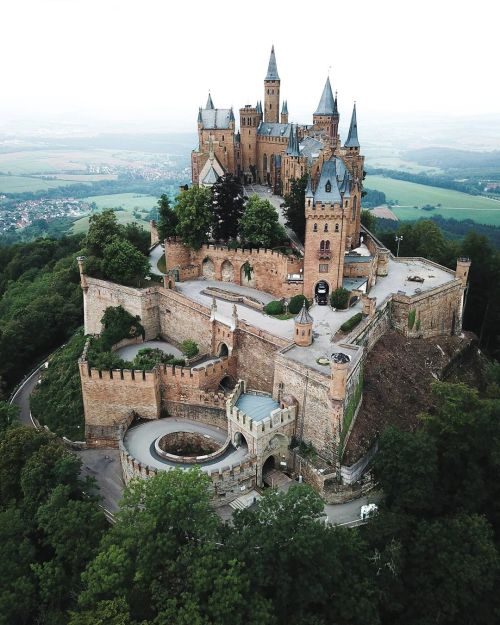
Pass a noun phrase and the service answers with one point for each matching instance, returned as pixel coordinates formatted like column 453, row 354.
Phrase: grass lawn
column 283, row 316
column 128, row 201
column 20, row 184
column 454, row 204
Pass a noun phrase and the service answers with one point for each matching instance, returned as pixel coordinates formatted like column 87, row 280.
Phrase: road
column 21, row 397
column 154, row 257
column 276, row 201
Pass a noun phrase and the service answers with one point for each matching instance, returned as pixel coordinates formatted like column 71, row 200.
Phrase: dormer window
column 328, row 187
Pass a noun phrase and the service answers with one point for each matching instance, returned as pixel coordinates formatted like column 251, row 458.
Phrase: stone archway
column 239, row 440
column 223, row 350
column 227, row 271
column 208, row 269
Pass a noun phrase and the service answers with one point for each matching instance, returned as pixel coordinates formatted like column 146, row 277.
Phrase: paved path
column 139, row 441
column 154, row 257
column 349, row 513
column 21, row 398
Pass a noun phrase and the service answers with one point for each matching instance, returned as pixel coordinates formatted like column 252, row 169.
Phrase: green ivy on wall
column 411, row 318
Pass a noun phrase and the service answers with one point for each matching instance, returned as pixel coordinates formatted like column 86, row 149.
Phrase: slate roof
column 267, row 129
column 333, row 173
column 272, row 70
column 210, row 104
column 310, row 148
column 284, row 108
column 293, row 143
column 211, row 177
column 326, row 104
column 352, row 137
column 216, row 118
column 303, row 316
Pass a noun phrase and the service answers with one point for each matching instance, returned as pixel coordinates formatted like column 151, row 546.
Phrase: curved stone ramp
column 139, row 442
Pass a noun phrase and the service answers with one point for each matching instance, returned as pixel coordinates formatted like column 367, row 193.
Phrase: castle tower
column 284, row 112
column 339, row 368
column 250, row 118
column 328, row 224
column 303, row 328
column 293, row 165
column 462, row 270
column 326, row 116
column 272, row 91
column 352, row 142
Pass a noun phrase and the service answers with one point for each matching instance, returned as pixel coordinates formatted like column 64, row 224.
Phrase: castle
column 269, row 385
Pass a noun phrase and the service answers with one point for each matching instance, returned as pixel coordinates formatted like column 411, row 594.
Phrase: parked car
column 322, row 294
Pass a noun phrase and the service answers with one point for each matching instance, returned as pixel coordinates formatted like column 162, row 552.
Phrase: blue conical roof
column 272, row 70
column 210, row 104
column 352, row 137
column 326, row 104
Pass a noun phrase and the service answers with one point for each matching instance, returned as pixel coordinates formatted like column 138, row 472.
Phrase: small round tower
column 339, row 367
column 303, row 328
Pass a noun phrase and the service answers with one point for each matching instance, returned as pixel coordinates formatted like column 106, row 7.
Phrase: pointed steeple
column 210, row 104
column 284, row 108
column 272, row 70
column 231, row 115
column 326, row 104
column 352, row 137
column 293, row 143
column 200, row 119
column 335, row 107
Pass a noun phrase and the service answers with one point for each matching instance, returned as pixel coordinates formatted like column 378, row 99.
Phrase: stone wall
column 269, row 269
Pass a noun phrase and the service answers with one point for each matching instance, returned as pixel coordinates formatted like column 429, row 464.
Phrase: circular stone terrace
column 141, row 443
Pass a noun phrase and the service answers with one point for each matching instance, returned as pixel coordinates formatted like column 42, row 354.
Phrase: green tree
column 9, row 415
column 123, row 263
column 339, row 298
column 228, row 206
column 103, row 229
column 368, row 220
column 167, row 222
column 294, row 207
column 189, row 348
column 195, row 216
column 259, row 225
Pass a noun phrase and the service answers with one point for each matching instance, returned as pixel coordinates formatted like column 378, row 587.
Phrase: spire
column 200, row 119
column 304, row 316
column 231, row 115
column 293, row 143
column 352, row 137
column 326, row 104
column 335, row 107
column 272, row 70
column 210, row 104
column 284, row 108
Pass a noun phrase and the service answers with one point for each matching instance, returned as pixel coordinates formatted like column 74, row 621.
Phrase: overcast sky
column 153, row 61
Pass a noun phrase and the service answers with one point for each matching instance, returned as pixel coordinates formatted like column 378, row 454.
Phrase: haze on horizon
column 152, row 62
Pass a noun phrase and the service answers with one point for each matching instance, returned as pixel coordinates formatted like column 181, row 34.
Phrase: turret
column 293, row 148
column 81, row 268
column 462, row 270
column 326, row 116
column 284, row 112
column 272, row 91
column 339, row 368
column 210, row 104
column 352, row 141
column 303, row 328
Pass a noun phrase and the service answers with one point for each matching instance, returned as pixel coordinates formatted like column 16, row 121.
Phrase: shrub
column 119, row 324
column 411, row 318
column 296, row 303
column 339, row 298
column 274, row 308
column 351, row 323
column 189, row 348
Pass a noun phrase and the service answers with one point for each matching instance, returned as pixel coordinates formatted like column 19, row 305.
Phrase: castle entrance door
column 321, row 292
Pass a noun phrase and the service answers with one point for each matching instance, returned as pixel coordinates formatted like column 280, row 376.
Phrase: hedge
column 274, row 308
column 351, row 323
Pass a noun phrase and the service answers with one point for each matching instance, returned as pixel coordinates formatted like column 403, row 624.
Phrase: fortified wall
column 260, row 269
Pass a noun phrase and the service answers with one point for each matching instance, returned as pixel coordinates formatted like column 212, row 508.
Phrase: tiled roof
column 216, row 118
column 267, row 129
column 303, row 316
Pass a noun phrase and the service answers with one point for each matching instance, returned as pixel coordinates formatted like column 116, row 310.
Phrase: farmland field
column 128, row 201
column 454, row 204
column 21, row 184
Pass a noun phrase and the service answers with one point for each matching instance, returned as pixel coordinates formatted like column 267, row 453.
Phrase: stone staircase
column 245, row 501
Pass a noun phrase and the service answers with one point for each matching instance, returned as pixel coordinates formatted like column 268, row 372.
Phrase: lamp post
column 286, row 302
column 398, row 241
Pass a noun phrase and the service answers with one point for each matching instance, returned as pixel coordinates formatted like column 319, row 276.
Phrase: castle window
column 270, row 106
column 222, row 137
column 336, row 227
column 327, row 245
column 243, row 121
column 268, row 91
column 326, row 228
column 323, row 268
column 322, row 246
column 308, row 202
column 328, row 187
column 315, row 228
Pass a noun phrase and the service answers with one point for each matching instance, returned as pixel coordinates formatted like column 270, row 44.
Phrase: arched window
column 326, row 228
column 328, row 187
column 327, row 245
column 322, row 246
column 270, row 106
column 264, row 162
column 336, row 227
column 315, row 228
column 243, row 121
